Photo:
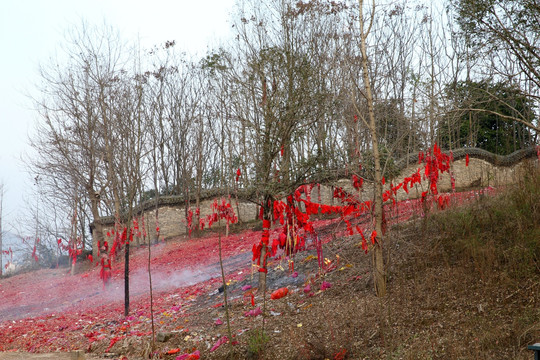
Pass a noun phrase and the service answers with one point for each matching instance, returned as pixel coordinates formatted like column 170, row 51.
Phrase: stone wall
column 172, row 220
column 479, row 173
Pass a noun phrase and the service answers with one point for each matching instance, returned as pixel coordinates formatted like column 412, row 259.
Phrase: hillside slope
column 463, row 283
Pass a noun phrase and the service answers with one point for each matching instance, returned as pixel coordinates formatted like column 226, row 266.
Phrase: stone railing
column 494, row 159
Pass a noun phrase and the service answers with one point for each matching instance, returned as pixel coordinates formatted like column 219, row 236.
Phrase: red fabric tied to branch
column 348, row 210
column 308, row 190
column 349, row 227
column 298, row 193
column 265, row 237
column 275, row 244
column 433, row 187
column 364, row 242
column 282, row 240
column 416, row 178
column 113, row 248
column 238, row 174
column 373, row 237
column 427, row 169
column 34, row 254
column 312, row 208
column 301, row 217
column 124, row 236
column 308, row 227
column 327, row 209
column 443, row 201
column 279, row 208
column 301, row 243
column 357, row 182
column 257, row 252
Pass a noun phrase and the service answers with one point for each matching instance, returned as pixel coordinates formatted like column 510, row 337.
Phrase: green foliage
column 488, row 21
column 213, row 63
column 387, row 162
column 487, row 127
column 394, row 128
column 147, row 195
column 256, row 342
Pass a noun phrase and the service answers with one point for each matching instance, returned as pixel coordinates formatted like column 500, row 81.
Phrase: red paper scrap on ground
column 220, row 342
column 279, row 293
column 253, row 312
column 193, row 356
column 325, row 285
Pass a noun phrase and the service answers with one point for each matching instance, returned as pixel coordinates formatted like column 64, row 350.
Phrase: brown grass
column 467, row 286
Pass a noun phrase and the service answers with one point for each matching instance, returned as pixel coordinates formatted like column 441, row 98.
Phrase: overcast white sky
column 32, row 30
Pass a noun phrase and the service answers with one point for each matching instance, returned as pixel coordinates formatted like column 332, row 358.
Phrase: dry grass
column 463, row 285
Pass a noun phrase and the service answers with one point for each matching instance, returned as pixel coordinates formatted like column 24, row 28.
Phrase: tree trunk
column 126, row 278
column 266, row 218
column 97, row 231
column 378, row 261
column 126, row 267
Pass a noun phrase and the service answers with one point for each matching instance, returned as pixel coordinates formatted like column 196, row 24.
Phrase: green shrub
column 256, row 342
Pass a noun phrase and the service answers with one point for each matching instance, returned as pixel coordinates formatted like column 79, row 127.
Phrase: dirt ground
column 435, row 308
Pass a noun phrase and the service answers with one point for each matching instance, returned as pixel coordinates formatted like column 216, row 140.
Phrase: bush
column 256, row 342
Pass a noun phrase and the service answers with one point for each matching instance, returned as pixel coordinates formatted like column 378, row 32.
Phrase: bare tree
column 378, row 261
column 75, row 108
column 269, row 73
